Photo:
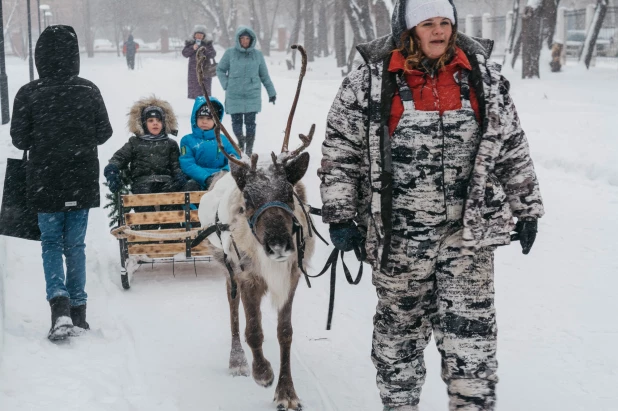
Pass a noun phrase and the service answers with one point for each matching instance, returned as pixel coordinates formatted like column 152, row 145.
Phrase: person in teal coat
column 200, row 157
column 242, row 71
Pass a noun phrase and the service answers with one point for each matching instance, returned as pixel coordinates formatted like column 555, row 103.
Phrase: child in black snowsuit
column 150, row 155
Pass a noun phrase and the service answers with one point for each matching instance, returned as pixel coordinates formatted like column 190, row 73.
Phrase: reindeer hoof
column 238, row 364
column 241, row 371
column 263, row 374
column 286, row 398
column 285, row 405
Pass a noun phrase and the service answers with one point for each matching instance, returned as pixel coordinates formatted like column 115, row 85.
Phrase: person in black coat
column 61, row 119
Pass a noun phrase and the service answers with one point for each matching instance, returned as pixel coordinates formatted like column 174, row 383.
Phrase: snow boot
column 78, row 315
column 62, row 325
column 241, row 142
column 250, row 141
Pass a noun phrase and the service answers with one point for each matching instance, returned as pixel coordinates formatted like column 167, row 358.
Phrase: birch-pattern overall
column 428, row 284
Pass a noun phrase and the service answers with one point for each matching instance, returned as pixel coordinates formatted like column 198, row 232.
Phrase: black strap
column 25, row 156
column 332, row 264
column 202, row 234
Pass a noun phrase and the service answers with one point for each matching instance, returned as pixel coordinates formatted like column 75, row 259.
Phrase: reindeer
column 271, row 235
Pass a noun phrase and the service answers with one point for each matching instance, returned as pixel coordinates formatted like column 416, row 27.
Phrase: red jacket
column 440, row 93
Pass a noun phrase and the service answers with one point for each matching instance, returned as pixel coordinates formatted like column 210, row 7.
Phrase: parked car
column 103, row 44
column 605, row 46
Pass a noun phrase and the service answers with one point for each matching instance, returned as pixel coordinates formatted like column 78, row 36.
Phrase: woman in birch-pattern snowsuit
column 425, row 164
column 199, row 40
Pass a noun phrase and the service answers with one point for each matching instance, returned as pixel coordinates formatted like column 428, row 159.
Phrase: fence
column 571, row 30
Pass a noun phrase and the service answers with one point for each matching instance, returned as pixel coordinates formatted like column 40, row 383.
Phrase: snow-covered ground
column 164, row 344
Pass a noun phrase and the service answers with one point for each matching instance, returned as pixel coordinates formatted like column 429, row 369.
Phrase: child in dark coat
column 150, row 155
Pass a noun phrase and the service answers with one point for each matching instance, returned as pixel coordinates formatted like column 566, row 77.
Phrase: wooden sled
column 165, row 245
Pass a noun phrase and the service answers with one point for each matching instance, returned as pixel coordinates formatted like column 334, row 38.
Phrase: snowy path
column 164, row 344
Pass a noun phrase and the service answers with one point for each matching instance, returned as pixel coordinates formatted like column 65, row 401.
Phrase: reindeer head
column 269, row 191
column 269, row 203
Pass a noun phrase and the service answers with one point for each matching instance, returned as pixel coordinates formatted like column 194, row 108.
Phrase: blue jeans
column 64, row 233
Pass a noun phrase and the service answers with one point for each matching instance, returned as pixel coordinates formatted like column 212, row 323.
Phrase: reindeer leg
column 285, row 395
column 251, row 293
column 238, row 360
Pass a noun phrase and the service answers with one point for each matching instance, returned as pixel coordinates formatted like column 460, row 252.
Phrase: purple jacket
column 194, row 89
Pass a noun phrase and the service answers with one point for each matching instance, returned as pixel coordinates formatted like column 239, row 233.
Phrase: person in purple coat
column 190, row 51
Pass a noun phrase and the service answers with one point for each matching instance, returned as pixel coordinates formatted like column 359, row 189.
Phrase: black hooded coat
column 61, row 119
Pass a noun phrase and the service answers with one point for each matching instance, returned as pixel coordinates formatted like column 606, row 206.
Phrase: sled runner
column 149, row 237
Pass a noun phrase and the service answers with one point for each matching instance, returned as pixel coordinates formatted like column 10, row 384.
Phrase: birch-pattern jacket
column 356, row 169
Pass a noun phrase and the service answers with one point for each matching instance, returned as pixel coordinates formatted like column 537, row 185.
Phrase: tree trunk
column 267, row 27
column 225, row 33
column 339, row 31
column 593, row 34
column 323, row 30
column 355, row 22
column 309, row 30
column 295, row 32
column 233, row 21
column 510, row 41
column 382, row 18
column 531, row 41
column 364, row 16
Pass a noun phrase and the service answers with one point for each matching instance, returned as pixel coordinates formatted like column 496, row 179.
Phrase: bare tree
column 538, row 14
column 382, row 18
column 340, row 41
column 323, row 29
column 593, row 33
column 309, row 30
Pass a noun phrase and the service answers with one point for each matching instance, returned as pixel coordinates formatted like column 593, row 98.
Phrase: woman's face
column 245, row 41
column 434, row 35
column 199, row 36
column 154, row 126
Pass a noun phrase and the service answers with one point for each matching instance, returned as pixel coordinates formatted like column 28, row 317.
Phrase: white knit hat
column 421, row 10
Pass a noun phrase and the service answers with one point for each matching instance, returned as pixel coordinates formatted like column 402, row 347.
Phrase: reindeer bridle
column 273, row 204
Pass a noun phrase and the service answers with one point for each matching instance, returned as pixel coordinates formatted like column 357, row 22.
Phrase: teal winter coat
column 200, row 156
column 241, row 73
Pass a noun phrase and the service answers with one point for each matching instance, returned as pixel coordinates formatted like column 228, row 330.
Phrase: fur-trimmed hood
column 134, row 124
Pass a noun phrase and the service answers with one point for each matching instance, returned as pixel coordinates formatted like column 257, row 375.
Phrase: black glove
column 525, row 230
column 112, row 174
column 272, row 100
column 345, row 236
column 179, row 181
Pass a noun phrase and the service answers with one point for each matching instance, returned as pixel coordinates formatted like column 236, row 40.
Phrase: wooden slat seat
column 139, row 200
column 160, row 247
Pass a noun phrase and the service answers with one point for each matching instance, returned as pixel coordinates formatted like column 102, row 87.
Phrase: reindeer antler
column 303, row 70
column 306, row 141
column 201, row 57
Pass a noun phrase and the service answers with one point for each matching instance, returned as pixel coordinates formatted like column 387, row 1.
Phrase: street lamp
column 43, row 8
column 4, row 86
column 48, row 15
column 38, row 5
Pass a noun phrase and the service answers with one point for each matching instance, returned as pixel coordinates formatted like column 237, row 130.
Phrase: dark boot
column 241, row 142
column 78, row 315
column 250, row 141
column 62, row 325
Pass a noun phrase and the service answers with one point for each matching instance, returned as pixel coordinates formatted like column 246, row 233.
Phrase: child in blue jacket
column 200, row 157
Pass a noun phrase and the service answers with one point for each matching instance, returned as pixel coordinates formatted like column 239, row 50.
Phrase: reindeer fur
column 277, row 276
column 261, row 275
